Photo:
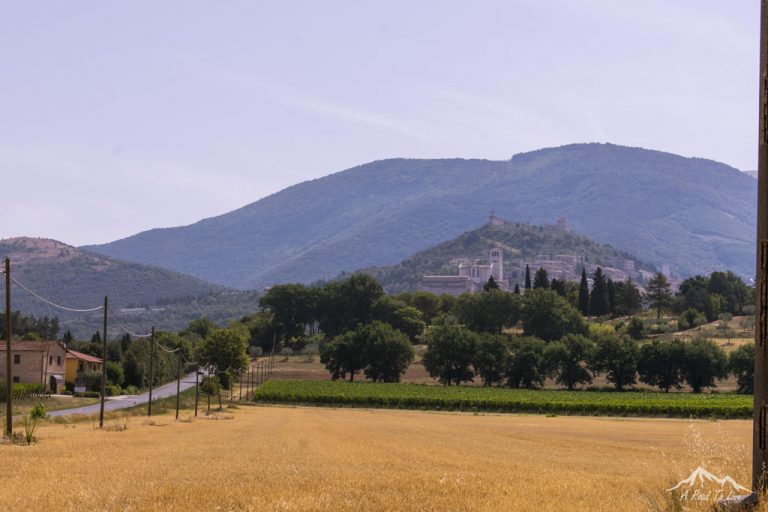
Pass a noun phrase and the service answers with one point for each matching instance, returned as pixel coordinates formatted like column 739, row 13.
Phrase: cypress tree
column 527, row 277
column 584, row 293
column 517, row 289
column 541, row 280
column 611, row 296
column 598, row 300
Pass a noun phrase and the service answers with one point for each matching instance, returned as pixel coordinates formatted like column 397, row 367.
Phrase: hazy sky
column 116, row 117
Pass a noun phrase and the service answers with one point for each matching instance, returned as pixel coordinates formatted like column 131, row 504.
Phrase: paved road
column 122, row 402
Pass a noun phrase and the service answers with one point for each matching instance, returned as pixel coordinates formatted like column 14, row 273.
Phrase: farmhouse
column 36, row 362
column 79, row 363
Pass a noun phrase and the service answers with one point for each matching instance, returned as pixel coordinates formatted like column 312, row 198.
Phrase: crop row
column 414, row 396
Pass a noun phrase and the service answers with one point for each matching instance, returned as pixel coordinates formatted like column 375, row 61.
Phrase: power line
column 73, row 310
column 128, row 330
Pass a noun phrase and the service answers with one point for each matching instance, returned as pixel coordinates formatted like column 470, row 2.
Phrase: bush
column 113, row 390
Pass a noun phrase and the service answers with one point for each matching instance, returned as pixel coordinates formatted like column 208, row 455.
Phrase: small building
column 36, row 362
column 79, row 363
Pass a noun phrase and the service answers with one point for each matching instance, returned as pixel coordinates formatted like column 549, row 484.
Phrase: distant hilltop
column 695, row 214
column 459, row 265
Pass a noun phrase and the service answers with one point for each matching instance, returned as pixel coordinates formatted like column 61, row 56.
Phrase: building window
column 50, row 359
column 80, row 366
column 16, row 358
column 16, row 379
column 58, row 360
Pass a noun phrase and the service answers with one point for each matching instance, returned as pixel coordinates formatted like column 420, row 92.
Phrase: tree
column 627, row 299
column 636, row 328
column 712, row 306
column 293, row 307
column 689, row 319
column 387, row 352
column 617, row 357
column 517, row 289
column 526, row 368
column 741, row 364
column 200, row 327
column 491, row 359
column 527, row 278
column 584, row 293
column 568, row 359
column 345, row 354
column 559, row 286
column 342, row 305
column 489, row 311
column 396, row 313
column 541, row 279
column 115, row 374
column 548, row 316
column 226, row 350
column 490, row 285
column 661, row 364
column 449, row 355
column 598, row 299
column 704, row 363
column 658, row 293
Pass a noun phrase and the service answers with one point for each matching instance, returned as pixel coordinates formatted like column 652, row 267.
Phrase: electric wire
column 50, row 303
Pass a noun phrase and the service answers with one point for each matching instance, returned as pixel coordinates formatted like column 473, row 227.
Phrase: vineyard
column 476, row 399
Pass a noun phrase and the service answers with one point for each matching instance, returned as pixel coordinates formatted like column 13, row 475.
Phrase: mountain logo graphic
column 701, row 476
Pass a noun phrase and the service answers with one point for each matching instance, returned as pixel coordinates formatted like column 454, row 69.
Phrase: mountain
column 519, row 242
column 140, row 296
column 695, row 214
column 77, row 279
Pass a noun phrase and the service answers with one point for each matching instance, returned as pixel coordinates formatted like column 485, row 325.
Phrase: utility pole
column 103, row 364
column 760, row 415
column 151, row 368
column 8, row 379
column 178, row 385
column 197, row 388
column 209, row 390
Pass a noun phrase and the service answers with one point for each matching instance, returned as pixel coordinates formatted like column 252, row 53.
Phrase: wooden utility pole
column 8, row 379
column 178, row 385
column 151, row 368
column 103, row 364
column 760, row 416
column 197, row 388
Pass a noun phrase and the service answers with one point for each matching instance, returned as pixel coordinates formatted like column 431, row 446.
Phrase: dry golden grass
column 279, row 458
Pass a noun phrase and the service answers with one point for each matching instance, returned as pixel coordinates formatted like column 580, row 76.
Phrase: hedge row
column 415, row 396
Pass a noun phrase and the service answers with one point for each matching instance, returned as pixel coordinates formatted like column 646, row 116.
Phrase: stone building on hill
column 471, row 278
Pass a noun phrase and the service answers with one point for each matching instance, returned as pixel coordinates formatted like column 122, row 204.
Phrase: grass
column 296, row 459
column 467, row 398
column 23, row 407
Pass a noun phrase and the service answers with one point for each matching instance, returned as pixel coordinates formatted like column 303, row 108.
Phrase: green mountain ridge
column 520, row 242
column 695, row 214
column 77, row 279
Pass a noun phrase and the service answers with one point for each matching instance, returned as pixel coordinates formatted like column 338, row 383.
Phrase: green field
column 415, row 396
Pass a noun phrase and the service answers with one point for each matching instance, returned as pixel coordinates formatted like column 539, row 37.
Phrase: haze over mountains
column 697, row 215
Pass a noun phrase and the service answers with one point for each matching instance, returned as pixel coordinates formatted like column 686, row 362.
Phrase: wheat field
column 297, row 459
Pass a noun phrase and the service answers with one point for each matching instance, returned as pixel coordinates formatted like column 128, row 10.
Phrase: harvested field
column 280, row 458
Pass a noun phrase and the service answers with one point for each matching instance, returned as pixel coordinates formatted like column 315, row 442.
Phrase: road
column 122, row 402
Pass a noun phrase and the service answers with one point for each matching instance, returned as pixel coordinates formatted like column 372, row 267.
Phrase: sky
column 117, row 117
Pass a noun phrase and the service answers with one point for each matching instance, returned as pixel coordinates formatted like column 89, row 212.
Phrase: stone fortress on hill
column 473, row 275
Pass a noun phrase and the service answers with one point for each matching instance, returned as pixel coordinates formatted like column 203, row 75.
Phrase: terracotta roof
column 73, row 354
column 29, row 346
